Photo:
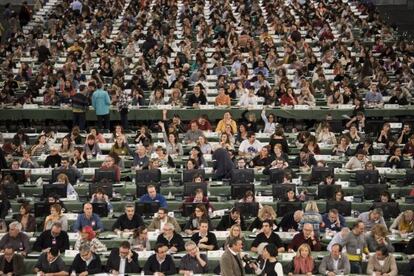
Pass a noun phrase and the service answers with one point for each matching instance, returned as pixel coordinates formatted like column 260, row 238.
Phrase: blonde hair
column 301, row 247
column 311, row 207
column 267, row 209
column 63, row 178
column 380, row 230
column 231, row 231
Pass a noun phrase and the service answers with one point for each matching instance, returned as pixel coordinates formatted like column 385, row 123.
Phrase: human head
column 379, row 231
column 25, row 208
column 269, row 251
column 161, row 250
column 87, row 233
column 236, row 244
column 52, row 254
column 304, row 250
column 124, row 249
column 375, row 214
column 162, row 213
column 336, row 250
column 168, row 229
column 130, row 210
column 85, row 252
column 14, row 228
column 298, row 215
column 267, row 226
column 235, row 231
column 381, row 252
column 152, row 191
column 56, row 229
column 8, row 252
column 358, row 228
column 88, row 209
column 333, row 215
column 203, row 225
column 191, row 248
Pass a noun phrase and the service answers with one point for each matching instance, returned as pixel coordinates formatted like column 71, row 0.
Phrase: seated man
column 371, row 218
column 50, row 263
column 10, row 262
column 306, row 236
column 67, row 169
column 333, row 221
column 88, row 218
column 160, row 262
column 205, row 239
column 152, row 196
column 123, row 260
column 290, row 221
column 86, row 262
column 382, row 263
column 227, row 221
column 193, row 262
column 55, row 237
column 171, row 239
column 15, row 238
column 267, row 235
column 162, row 219
column 128, row 221
column 336, row 263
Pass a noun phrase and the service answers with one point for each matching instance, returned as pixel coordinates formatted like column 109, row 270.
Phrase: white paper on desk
column 101, row 157
column 153, row 235
column 345, row 106
column 263, row 199
column 145, row 254
column 208, row 157
column 208, row 170
column 105, row 146
column 221, row 234
column 219, row 213
column 89, row 171
column 391, row 106
column 349, row 198
column 344, row 184
column 73, row 236
column 214, row 254
column 379, row 158
column 301, row 107
column 42, row 171
column 71, row 253
column 71, row 216
column 287, row 256
column 322, row 157
column 30, row 106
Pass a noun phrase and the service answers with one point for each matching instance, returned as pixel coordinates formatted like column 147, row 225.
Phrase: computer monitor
column 57, row 189
column 190, row 187
column 327, row 191
column 242, row 176
column 366, row 177
column 373, row 191
column 238, row 190
column 105, row 186
column 189, row 207
column 276, row 176
column 101, row 174
column 148, row 176
column 248, row 209
column 11, row 191
column 318, row 174
column 69, row 173
column 141, row 188
column 389, row 209
column 100, row 208
column 409, row 176
column 344, row 207
column 188, row 175
column 147, row 209
column 41, row 209
column 284, row 207
column 19, row 176
column 279, row 190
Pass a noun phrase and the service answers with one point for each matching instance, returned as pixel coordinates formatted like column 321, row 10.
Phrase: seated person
column 199, row 198
column 385, row 197
column 290, row 222
column 265, row 213
column 53, row 159
column 88, row 218
column 404, row 222
column 205, row 239
column 332, row 221
column 63, row 179
column 160, row 262
column 193, row 223
column 123, row 260
column 109, row 165
column 10, row 187
column 339, row 238
column 128, row 221
column 25, row 218
column 305, row 160
column 268, row 236
column 290, row 196
column 153, row 196
column 55, row 237
column 139, row 240
column 371, row 218
column 193, row 262
column 15, row 238
column 382, row 263
column 162, row 219
column 171, row 239
column 100, row 197
column 66, row 167
column 86, row 262
column 55, row 199
column 307, row 236
column 227, row 221
column 358, row 161
column 378, row 237
column 50, row 262
column 88, row 236
column 56, row 215
column 303, row 263
column 395, row 160
column 11, row 263
column 336, row 263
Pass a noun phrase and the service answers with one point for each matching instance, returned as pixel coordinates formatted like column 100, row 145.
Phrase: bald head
column 298, row 215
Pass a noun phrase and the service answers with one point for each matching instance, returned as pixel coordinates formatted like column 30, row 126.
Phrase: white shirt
column 162, row 223
column 246, row 147
column 122, row 264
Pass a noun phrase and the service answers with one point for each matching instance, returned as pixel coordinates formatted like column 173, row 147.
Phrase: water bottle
column 29, row 180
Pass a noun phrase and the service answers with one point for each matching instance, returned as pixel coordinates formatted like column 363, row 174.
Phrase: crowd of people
column 263, row 55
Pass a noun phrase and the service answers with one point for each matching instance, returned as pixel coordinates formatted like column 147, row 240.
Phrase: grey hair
column 85, row 248
column 189, row 243
column 170, row 225
column 16, row 224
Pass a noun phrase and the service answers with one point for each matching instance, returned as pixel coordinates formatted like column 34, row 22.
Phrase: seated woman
column 63, row 179
column 9, row 187
column 100, row 197
column 328, row 180
column 265, row 213
column 199, row 197
column 56, row 215
column 249, row 198
column 165, row 160
column 395, row 160
column 353, row 135
column 139, row 240
column 197, row 155
column 290, row 196
column 358, row 161
column 88, row 236
column 325, row 136
column 174, row 147
column 40, row 147
column 79, row 159
column 378, row 237
column 342, row 148
column 120, row 146
column 193, row 223
column 109, row 165
column 404, row 223
column 303, row 262
column 338, row 196
column 385, row 197
column 234, row 232
column 91, row 147
column 369, row 166
column 98, row 136
column 25, row 218
column 66, row 147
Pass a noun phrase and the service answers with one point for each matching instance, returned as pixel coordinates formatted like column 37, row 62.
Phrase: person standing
column 230, row 262
column 80, row 104
column 101, row 103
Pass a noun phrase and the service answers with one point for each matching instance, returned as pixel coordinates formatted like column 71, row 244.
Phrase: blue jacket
column 333, row 226
column 160, row 198
column 94, row 222
column 101, row 102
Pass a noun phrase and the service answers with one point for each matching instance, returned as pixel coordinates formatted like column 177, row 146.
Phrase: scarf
column 303, row 265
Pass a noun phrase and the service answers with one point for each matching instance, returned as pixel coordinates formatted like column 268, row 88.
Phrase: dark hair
column 233, row 241
column 139, row 231
column 356, row 224
column 163, row 209
column 125, row 244
column 158, row 246
column 339, row 245
column 270, row 222
column 383, row 249
column 272, row 249
column 54, row 251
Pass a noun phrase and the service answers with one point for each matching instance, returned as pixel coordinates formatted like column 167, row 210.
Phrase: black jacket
column 167, row 267
column 45, row 240
column 114, row 259
column 79, row 265
column 226, row 222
